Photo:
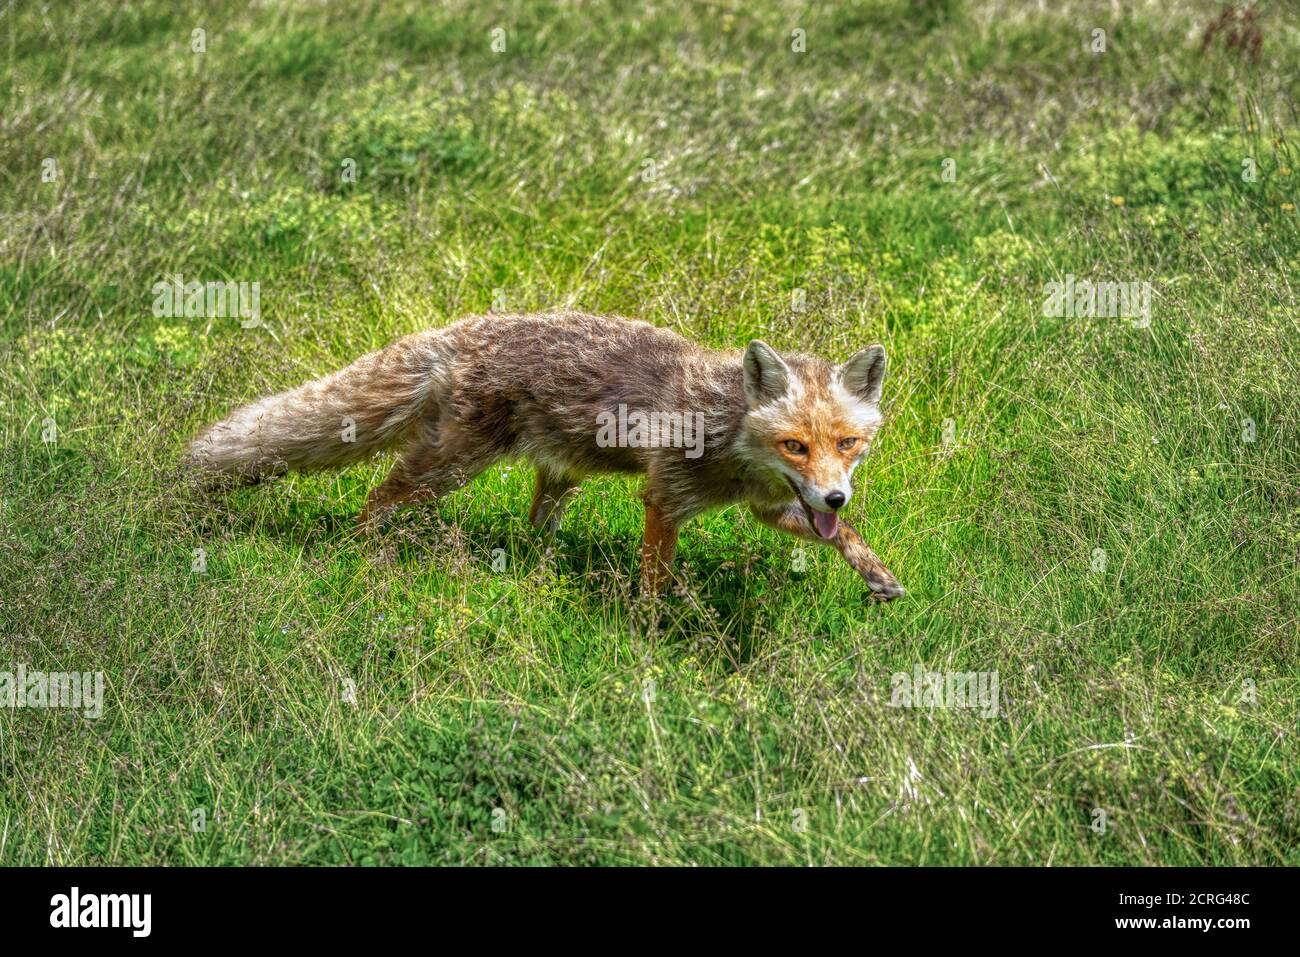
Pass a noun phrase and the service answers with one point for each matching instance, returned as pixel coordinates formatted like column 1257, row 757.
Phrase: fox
column 780, row 433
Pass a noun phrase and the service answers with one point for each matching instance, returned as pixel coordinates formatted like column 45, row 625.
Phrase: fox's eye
column 846, row 444
column 795, row 447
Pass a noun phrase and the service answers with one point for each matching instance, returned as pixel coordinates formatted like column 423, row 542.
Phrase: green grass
column 530, row 714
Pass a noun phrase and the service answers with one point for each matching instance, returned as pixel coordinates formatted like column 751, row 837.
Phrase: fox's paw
column 884, row 587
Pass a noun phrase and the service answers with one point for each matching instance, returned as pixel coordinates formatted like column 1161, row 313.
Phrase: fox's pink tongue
column 827, row 523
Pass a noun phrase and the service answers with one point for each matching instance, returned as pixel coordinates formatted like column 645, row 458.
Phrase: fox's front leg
column 847, row 542
column 659, row 550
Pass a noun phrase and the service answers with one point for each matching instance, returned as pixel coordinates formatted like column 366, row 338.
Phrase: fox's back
column 563, row 354
column 536, row 384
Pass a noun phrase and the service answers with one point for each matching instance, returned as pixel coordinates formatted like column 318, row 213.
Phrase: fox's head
column 811, row 422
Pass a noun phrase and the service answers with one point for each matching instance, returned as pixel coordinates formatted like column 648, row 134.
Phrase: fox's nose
column 835, row 499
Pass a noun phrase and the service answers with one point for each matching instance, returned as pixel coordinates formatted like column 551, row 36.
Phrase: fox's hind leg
column 429, row 468
column 554, row 490
column 847, row 542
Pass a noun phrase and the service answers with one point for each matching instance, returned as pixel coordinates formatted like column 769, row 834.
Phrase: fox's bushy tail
column 332, row 421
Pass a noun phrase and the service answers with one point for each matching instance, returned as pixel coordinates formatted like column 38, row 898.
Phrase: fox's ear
column 863, row 373
column 767, row 377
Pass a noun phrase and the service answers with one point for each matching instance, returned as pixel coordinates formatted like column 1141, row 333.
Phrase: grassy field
column 1103, row 511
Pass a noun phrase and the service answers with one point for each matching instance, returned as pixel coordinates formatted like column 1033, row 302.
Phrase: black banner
column 336, row 906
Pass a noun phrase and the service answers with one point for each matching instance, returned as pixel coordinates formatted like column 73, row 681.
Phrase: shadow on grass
column 726, row 601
